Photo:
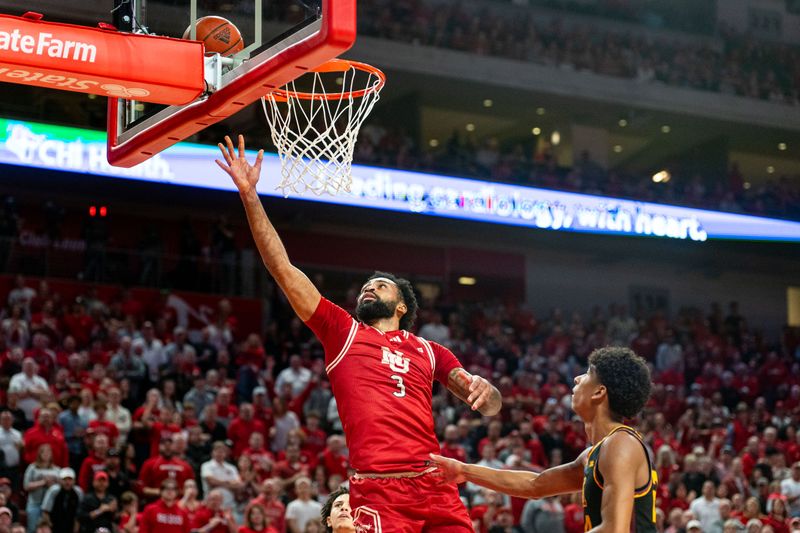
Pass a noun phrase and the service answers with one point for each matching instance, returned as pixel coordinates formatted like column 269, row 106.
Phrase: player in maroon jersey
column 382, row 377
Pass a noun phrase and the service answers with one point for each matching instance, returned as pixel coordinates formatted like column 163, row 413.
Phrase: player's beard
column 369, row 312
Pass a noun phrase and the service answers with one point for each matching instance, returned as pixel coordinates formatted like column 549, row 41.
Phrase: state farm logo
column 70, row 83
column 46, row 44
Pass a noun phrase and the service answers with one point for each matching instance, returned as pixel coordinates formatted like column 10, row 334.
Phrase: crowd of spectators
column 535, row 165
column 102, row 403
column 733, row 63
column 683, row 15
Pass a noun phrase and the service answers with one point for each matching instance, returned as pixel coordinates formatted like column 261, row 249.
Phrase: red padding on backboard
column 337, row 35
column 92, row 60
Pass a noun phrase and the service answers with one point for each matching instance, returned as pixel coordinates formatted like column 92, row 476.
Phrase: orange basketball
column 218, row 34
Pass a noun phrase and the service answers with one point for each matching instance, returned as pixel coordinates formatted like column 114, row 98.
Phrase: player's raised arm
column 481, row 395
column 562, row 479
column 301, row 293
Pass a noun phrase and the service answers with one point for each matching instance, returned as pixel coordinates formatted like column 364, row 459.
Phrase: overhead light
column 662, row 176
column 91, row 96
column 433, row 143
column 488, row 103
column 770, row 170
column 536, row 131
column 617, row 148
column 139, row 107
column 339, row 80
column 746, row 185
column 555, row 138
column 540, row 111
column 665, row 129
column 470, row 127
column 467, row 280
column 782, row 147
column 622, row 123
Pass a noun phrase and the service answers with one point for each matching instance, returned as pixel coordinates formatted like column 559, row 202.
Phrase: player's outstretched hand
column 450, row 469
column 245, row 176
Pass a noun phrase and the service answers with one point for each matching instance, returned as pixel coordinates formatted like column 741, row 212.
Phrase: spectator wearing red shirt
column 273, row 507
column 101, row 426
column 94, row 462
column 226, row 410
column 43, row 355
column 164, row 428
column 165, row 515
column 315, row 436
column 333, row 458
column 211, row 517
column 261, row 407
column 533, row 444
column 558, row 342
column 241, row 427
column 492, row 437
column 45, row 432
column 263, row 459
column 450, row 446
column 293, row 465
column 554, row 387
column 130, row 518
column 751, row 455
column 164, row 466
column 79, row 324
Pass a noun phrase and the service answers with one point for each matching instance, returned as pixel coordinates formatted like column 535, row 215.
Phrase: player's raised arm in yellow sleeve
column 476, row 391
column 301, row 293
column 562, row 479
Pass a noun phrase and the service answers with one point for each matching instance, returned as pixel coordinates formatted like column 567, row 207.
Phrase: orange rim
column 336, row 65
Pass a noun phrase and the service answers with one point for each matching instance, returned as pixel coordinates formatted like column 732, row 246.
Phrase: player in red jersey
column 165, row 515
column 382, row 377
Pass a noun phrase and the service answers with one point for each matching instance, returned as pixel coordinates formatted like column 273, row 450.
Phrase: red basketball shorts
column 421, row 504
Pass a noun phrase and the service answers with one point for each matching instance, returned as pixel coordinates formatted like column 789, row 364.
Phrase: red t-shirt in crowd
column 203, row 516
column 456, row 452
column 239, row 432
column 334, row 463
column 315, row 441
column 104, row 427
column 158, row 517
column 573, row 518
column 36, row 436
column 383, row 386
column 156, row 469
column 89, row 466
column 159, row 431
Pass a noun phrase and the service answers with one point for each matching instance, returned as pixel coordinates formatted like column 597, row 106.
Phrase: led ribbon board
column 84, row 151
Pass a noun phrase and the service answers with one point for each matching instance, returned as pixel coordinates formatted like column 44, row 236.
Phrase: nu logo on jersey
column 395, row 360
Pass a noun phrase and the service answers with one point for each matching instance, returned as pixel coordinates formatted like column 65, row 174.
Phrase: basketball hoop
column 315, row 131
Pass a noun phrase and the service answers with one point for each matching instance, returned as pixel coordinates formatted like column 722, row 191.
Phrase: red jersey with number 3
column 383, row 384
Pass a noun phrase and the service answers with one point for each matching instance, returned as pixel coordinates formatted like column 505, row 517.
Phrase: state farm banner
column 100, row 61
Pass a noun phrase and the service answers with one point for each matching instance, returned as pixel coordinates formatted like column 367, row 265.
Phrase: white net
column 315, row 131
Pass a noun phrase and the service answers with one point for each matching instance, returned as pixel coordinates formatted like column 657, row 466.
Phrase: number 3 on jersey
column 401, row 392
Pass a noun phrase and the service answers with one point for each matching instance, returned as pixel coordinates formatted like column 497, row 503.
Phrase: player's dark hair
column 325, row 512
column 407, row 293
column 626, row 378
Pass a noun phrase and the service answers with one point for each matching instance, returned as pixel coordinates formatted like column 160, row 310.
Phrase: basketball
column 219, row 35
